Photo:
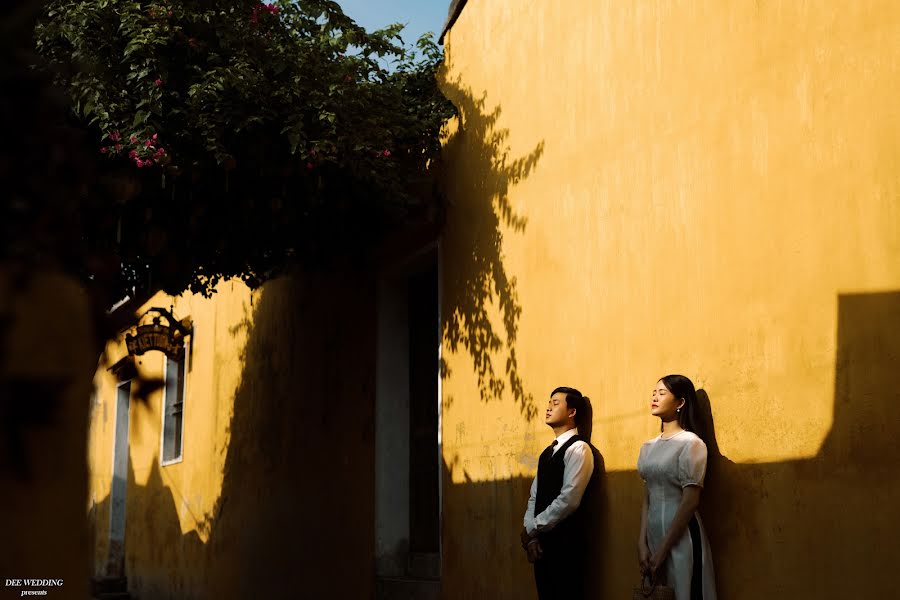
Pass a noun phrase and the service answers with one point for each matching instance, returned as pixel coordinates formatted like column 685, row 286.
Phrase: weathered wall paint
column 703, row 187
column 275, row 492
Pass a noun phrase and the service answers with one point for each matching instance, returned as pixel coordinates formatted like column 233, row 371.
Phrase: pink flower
column 313, row 152
column 158, row 82
column 153, row 137
column 118, row 147
column 139, row 162
column 132, row 154
column 133, row 139
column 386, row 153
column 148, row 143
column 115, row 136
column 104, row 150
column 170, row 13
column 310, row 166
column 159, row 152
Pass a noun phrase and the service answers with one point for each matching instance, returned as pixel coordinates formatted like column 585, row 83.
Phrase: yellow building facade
column 170, row 495
column 270, row 487
column 633, row 189
column 698, row 187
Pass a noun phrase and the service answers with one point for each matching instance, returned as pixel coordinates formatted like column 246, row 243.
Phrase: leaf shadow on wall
column 479, row 172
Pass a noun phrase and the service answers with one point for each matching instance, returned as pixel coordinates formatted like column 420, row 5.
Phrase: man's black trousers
column 559, row 573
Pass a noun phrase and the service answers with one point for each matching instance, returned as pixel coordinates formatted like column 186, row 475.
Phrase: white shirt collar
column 563, row 438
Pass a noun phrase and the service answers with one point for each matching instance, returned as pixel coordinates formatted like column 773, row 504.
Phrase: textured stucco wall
column 275, row 492
column 703, row 187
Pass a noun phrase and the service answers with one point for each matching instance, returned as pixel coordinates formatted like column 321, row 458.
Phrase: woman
column 672, row 545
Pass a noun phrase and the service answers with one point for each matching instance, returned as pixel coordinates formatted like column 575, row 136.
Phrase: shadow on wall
column 810, row 528
column 160, row 561
column 474, row 529
column 296, row 511
column 295, row 514
column 472, row 516
column 477, row 177
column 299, row 490
column 816, row 527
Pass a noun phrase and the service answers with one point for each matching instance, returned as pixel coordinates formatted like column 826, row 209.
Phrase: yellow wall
column 275, row 490
column 710, row 188
column 212, row 374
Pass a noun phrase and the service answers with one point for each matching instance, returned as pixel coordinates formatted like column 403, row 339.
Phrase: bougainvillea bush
column 234, row 136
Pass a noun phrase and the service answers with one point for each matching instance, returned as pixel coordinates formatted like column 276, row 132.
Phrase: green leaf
column 294, row 139
column 257, row 97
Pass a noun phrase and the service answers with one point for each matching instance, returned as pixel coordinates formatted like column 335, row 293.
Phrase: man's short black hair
column 574, row 399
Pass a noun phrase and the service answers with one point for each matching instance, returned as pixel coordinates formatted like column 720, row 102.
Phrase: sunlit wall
column 698, row 187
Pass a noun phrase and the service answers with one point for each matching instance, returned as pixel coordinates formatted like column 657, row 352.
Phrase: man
column 553, row 535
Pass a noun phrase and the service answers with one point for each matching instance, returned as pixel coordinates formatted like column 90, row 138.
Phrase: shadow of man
column 595, row 507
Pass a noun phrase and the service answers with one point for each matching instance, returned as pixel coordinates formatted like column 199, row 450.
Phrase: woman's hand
column 656, row 561
column 644, row 556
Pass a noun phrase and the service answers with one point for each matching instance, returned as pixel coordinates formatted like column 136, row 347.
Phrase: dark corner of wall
column 456, row 7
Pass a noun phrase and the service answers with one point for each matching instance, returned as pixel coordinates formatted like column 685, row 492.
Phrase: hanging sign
column 168, row 339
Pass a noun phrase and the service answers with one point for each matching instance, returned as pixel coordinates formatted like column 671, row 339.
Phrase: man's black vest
column 551, row 467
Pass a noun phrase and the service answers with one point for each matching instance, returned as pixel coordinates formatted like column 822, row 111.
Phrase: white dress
column 667, row 466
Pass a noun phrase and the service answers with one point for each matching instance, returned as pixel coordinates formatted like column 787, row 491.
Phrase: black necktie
column 550, row 448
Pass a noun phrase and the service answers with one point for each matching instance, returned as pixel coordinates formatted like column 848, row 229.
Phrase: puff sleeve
column 640, row 464
column 692, row 463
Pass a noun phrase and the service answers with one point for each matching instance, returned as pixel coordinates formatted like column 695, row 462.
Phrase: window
column 115, row 566
column 173, row 411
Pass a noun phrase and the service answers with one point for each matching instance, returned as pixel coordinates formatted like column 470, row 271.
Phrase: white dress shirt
column 579, row 465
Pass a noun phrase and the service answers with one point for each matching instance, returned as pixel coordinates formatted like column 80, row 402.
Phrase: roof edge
column 456, row 7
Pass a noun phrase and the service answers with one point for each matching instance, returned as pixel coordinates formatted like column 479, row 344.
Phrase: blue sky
column 421, row 15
